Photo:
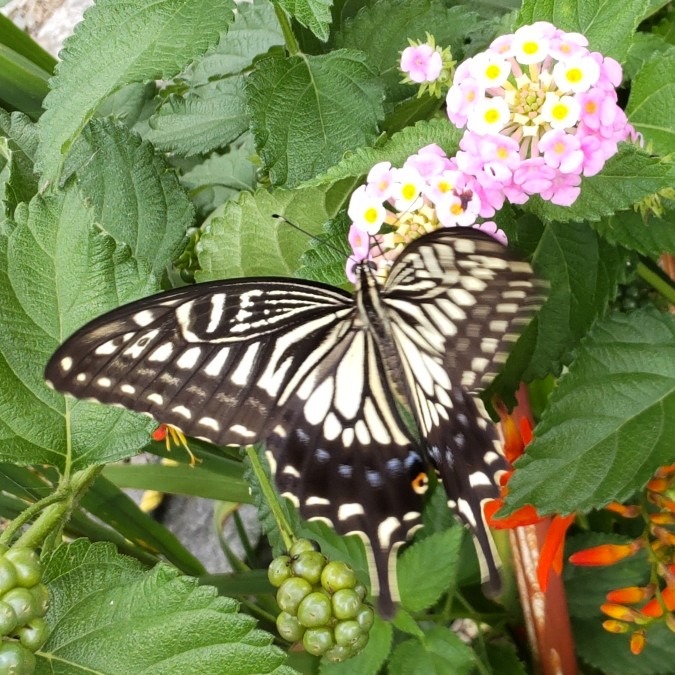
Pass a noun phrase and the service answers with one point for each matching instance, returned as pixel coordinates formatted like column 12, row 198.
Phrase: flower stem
column 657, row 282
column 287, row 31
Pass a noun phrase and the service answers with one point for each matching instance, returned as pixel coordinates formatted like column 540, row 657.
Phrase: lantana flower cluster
column 428, row 65
column 397, row 205
column 633, row 609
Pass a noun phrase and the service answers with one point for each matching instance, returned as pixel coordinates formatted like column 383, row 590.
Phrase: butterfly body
column 320, row 376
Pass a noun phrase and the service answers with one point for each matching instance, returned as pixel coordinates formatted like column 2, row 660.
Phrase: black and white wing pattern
column 319, row 374
column 457, row 305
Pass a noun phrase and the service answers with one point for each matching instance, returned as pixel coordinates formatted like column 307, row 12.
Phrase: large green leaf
column 651, row 107
column 57, row 271
column 18, row 144
column 135, row 197
column 109, row 615
column 307, row 111
column 117, row 44
column 609, row 26
column 652, row 237
column 314, row 14
column 245, row 240
column 609, row 424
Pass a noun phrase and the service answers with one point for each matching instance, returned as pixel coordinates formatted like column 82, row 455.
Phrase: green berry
column 302, row 545
column 346, row 603
column 8, row 575
column 8, row 620
column 337, row 575
column 291, row 593
column 347, row 633
column 34, row 634
column 309, row 565
column 27, row 564
column 338, row 654
column 40, row 599
column 361, row 590
column 315, row 610
column 360, row 642
column 289, row 627
column 366, row 618
column 279, row 570
column 15, row 659
column 21, row 601
column 318, row 641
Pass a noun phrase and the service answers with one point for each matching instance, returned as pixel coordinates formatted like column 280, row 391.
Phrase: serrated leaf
column 381, row 29
column 438, row 653
column 645, row 47
column 325, row 261
column 402, row 144
column 609, row 27
column 18, row 144
column 626, row 179
column 586, row 588
column 313, row 14
column 609, row 424
column 220, row 177
column 245, row 240
column 57, row 271
column 207, row 117
column 135, row 198
column 427, row 569
column 610, row 653
column 503, row 658
column 129, row 42
column 370, row 660
column 108, row 614
column 130, row 104
column 255, row 30
column 629, row 229
column 651, row 106
column 307, row 111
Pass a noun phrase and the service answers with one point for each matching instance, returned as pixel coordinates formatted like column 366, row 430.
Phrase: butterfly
column 330, row 381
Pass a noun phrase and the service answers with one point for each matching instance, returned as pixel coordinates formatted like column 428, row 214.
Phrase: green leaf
column 427, row 569
column 370, row 660
column 382, row 29
column 313, row 14
column 307, row 111
column 207, row 117
column 135, row 197
column 57, row 271
column 503, row 659
column 610, row 653
column 608, row 26
column 609, row 424
column 109, row 615
column 651, row 106
column 247, row 241
column 402, row 144
column 586, row 588
column 180, row 479
column 219, row 178
column 128, row 42
column 438, row 653
column 629, row 229
column 18, row 144
column 644, row 48
column 626, row 179
column 254, row 31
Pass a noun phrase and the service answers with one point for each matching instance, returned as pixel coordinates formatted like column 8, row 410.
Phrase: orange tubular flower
column 637, row 642
column 630, row 595
column 654, row 608
column 605, row 554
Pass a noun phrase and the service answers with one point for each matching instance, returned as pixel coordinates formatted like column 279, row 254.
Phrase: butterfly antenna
column 314, row 237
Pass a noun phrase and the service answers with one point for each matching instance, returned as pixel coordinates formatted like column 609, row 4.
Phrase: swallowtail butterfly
column 319, row 375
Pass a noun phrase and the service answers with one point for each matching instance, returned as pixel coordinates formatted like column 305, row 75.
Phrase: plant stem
column 270, row 496
column 28, row 514
column 657, row 282
column 287, row 31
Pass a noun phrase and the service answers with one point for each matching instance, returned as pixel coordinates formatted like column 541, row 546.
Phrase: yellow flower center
column 559, row 111
column 370, row 215
column 409, row 191
column 530, row 47
column 574, row 75
column 492, row 72
column 456, row 210
column 491, row 116
column 559, row 148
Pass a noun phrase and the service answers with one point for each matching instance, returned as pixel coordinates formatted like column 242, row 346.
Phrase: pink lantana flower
column 421, row 63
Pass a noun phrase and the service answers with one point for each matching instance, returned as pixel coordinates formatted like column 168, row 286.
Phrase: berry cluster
column 321, row 603
column 23, row 603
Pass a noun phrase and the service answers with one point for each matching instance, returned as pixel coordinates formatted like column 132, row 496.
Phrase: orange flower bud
column 662, row 518
column 526, row 515
column 551, row 554
column 614, row 626
column 661, row 501
column 664, row 471
column 657, row 485
column 630, row 595
column 618, row 612
column 637, row 642
column 159, row 434
column 513, row 441
column 654, row 609
column 625, row 510
column 605, row 554
column 663, row 535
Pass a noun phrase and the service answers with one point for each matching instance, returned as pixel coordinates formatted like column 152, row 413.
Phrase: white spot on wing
column 350, row 510
column 210, row 422
column 182, row 411
column 316, row 501
column 242, row 431
column 66, row 364
column 319, row 402
column 217, row 307
column 143, row 318
column 386, row 529
column 188, row 359
column 215, row 365
column 127, row 389
column 155, row 398
column 242, row 372
column 104, row 382
column 162, row 353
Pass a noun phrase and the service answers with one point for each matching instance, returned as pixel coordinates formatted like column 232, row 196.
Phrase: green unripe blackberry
column 309, row 565
column 8, row 575
column 346, row 603
column 365, row 618
column 34, row 634
column 318, row 641
column 27, row 565
column 291, row 593
column 279, row 570
column 22, row 602
column 8, row 620
column 315, row 610
column 302, row 545
column 40, row 595
column 15, row 659
column 347, row 633
column 338, row 654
